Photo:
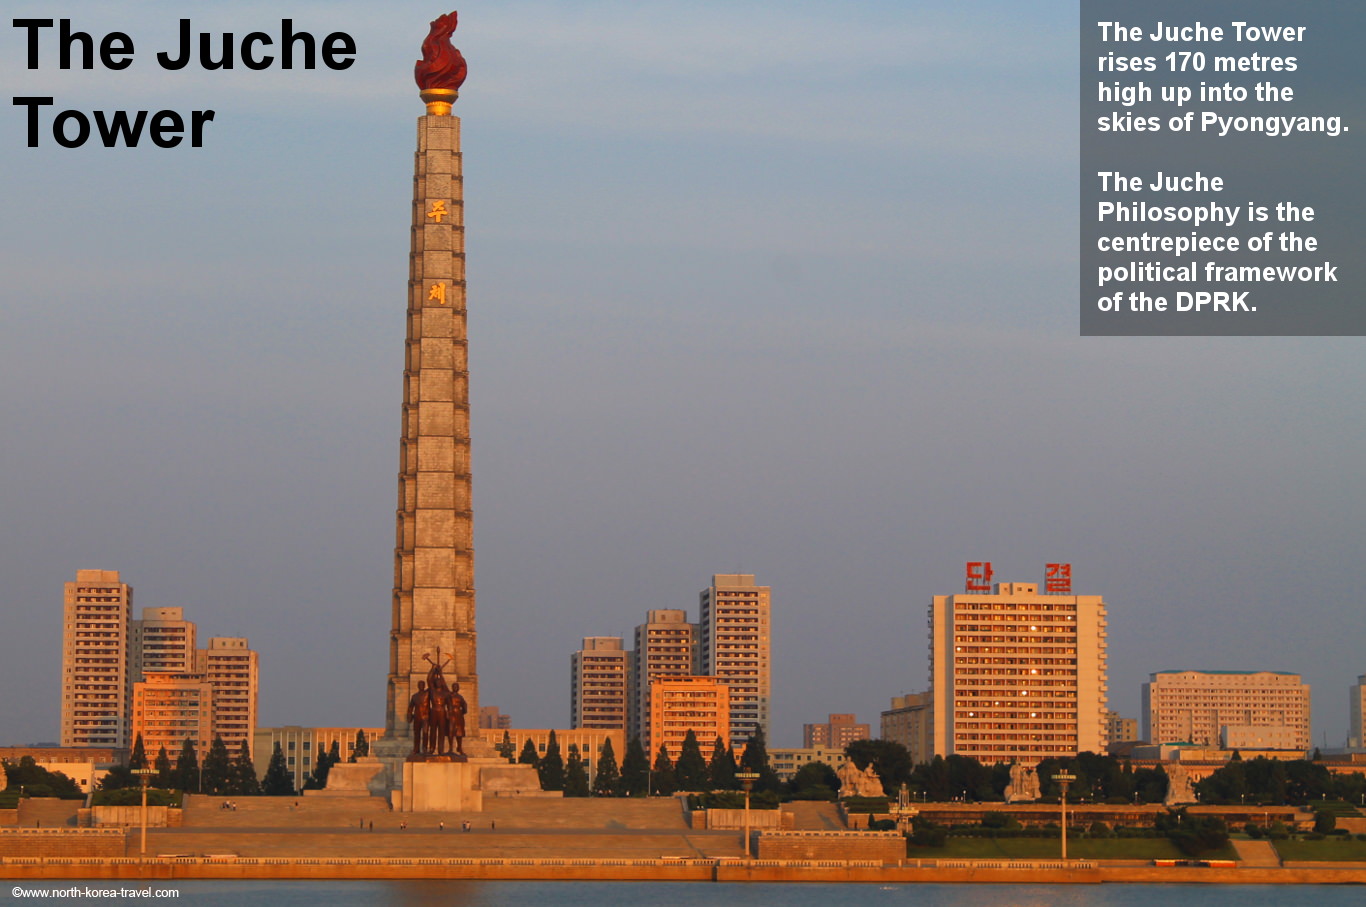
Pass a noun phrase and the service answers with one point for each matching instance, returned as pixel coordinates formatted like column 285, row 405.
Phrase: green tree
column 551, row 767
column 507, row 749
column 322, row 767
column 217, row 768
column 279, row 781
column 165, row 778
column 607, row 781
column 755, row 759
column 187, row 768
column 662, row 783
column 37, row 781
column 690, row 772
column 244, row 781
column 575, row 775
column 892, row 762
column 528, row 755
column 138, row 757
column 362, row 747
column 814, row 781
column 635, row 771
column 721, row 769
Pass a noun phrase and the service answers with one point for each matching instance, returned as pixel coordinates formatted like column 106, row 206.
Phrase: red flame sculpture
column 441, row 66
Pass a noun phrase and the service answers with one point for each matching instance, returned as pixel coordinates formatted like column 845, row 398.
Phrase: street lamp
column 1064, row 779
column 747, row 779
column 143, row 773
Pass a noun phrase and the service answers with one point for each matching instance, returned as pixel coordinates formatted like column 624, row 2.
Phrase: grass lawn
column 1329, row 849
column 1077, row 848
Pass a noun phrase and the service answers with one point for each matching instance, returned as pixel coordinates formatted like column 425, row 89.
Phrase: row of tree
column 223, row 774
column 1104, row 778
column 637, row 776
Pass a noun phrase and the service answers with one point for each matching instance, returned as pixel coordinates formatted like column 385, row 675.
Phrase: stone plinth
column 366, row 777
column 499, row 779
column 441, row 787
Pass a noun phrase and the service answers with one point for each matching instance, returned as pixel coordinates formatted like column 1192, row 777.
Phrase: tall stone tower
column 433, row 603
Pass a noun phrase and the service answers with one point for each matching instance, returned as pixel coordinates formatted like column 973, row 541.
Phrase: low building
column 301, row 745
column 786, row 762
column 1119, row 729
column 590, row 742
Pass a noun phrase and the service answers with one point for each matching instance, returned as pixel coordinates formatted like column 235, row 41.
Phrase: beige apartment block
column 1356, row 704
column 908, row 722
column 786, row 762
column 231, row 668
column 1195, row 707
column 733, row 645
column 1119, row 729
column 492, row 719
column 301, row 745
column 163, row 642
column 96, row 669
column 169, row 709
column 680, row 704
column 663, row 648
column 433, row 616
column 838, row 731
column 1018, row 675
column 599, row 684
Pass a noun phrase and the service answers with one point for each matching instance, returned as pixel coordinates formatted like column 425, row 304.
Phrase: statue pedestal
column 366, row 777
column 441, row 787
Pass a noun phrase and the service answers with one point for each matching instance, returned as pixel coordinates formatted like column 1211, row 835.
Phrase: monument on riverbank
column 433, row 623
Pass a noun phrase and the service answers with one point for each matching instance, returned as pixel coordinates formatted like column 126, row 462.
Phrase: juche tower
column 433, row 603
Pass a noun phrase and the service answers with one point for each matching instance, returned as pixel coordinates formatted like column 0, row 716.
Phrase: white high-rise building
column 230, row 668
column 599, row 684
column 163, row 643
column 733, row 643
column 664, row 648
column 1018, row 675
column 96, row 673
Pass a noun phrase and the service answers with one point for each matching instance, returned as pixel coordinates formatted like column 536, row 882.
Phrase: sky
column 785, row 288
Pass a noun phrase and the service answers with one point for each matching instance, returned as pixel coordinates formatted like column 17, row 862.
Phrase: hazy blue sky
column 780, row 288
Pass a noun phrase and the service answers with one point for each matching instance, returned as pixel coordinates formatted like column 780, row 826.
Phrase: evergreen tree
column 507, row 749
column 662, row 782
column 279, row 781
column 721, row 769
column 164, row 779
column 575, row 775
column 244, row 773
column 362, row 747
column 635, row 771
column 690, row 773
column 551, row 767
column 137, row 758
column 187, row 768
column 755, row 759
column 217, row 768
column 322, row 767
column 607, row 782
column 528, row 755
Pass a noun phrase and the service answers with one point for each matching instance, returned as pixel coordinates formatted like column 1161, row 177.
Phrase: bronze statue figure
column 441, row 66
column 436, row 713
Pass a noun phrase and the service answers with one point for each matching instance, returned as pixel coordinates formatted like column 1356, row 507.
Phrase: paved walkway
column 1256, row 853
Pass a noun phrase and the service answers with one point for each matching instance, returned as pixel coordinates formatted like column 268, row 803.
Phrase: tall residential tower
column 733, row 646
